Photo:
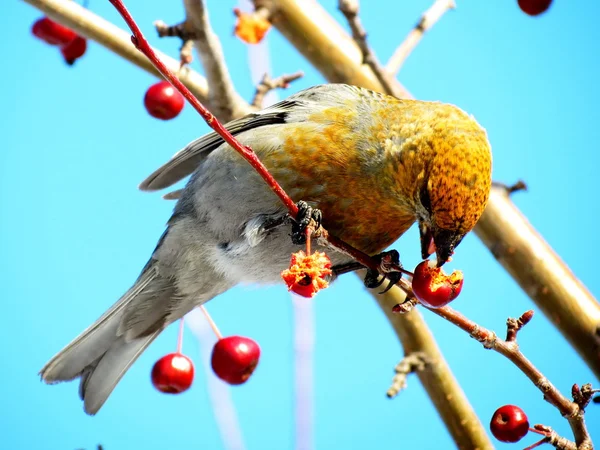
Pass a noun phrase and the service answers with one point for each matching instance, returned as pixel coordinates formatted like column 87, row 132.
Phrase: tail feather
column 101, row 377
column 102, row 353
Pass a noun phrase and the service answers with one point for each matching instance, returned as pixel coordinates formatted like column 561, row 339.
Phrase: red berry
column 173, row 373
column 509, row 424
column 163, row 101
column 534, row 7
column 234, row 358
column 433, row 287
column 51, row 32
column 307, row 274
column 74, row 50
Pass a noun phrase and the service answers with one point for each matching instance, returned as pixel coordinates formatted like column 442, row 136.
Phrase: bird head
column 455, row 185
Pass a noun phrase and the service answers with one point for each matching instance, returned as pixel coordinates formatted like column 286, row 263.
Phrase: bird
column 372, row 164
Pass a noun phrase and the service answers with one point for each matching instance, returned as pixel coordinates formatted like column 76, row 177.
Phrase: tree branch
column 223, row 100
column 411, row 363
column 323, row 42
column 542, row 275
column 115, row 39
column 428, row 20
column 268, row 84
column 573, row 411
column 349, row 8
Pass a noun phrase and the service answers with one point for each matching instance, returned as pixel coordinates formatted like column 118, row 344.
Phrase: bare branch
column 428, row 20
column 513, row 326
column 223, row 100
column 349, row 8
column 413, row 362
column 552, row 438
column 542, row 274
column 267, row 84
column 180, row 31
column 571, row 410
column 322, row 40
column 116, row 39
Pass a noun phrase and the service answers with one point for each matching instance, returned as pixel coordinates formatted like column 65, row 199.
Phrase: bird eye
column 425, row 199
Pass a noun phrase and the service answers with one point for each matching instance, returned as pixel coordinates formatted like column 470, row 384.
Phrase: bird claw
column 305, row 215
column 388, row 261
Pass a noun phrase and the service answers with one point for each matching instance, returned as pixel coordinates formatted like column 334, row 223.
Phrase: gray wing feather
column 185, row 161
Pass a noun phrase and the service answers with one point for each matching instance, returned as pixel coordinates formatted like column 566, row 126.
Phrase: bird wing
column 295, row 108
column 185, row 161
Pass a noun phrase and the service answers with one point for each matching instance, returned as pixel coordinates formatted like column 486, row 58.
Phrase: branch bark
column 223, row 100
column 428, row 19
column 322, row 40
column 115, row 39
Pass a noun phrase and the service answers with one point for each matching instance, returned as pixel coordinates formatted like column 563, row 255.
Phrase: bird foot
column 388, row 261
column 306, row 214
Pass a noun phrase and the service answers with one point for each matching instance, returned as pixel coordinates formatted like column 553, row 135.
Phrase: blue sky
column 75, row 232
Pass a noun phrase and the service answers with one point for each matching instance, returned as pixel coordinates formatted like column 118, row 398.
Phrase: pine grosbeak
column 371, row 163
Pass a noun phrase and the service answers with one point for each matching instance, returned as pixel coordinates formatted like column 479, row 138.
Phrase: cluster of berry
column 72, row 46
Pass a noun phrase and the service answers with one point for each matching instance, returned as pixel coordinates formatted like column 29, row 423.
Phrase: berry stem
column 212, row 323
column 180, row 336
column 535, row 430
column 537, row 444
column 308, row 232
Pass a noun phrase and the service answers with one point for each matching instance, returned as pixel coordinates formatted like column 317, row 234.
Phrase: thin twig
column 571, row 410
column 224, row 101
column 322, row 40
column 182, row 32
column 428, row 20
column 553, row 438
column 349, row 8
column 411, row 363
column 541, row 274
column 268, row 84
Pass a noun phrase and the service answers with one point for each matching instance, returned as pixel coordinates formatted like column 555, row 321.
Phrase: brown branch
column 411, row 363
column 181, row 31
column 428, row 20
column 552, row 438
column 88, row 24
column 223, row 100
column 267, row 84
column 349, row 8
column 323, row 42
column 442, row 387
column 542, row 275
column 573, row 411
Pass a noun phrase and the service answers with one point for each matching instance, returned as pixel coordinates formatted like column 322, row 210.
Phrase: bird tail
column 101, row 355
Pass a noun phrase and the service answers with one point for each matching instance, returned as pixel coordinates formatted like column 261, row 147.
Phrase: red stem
column 180, row 336
column 212, row 323
column 537, row 444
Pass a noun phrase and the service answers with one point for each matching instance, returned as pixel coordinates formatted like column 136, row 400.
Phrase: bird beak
column 445, row 242
column 428, row 246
